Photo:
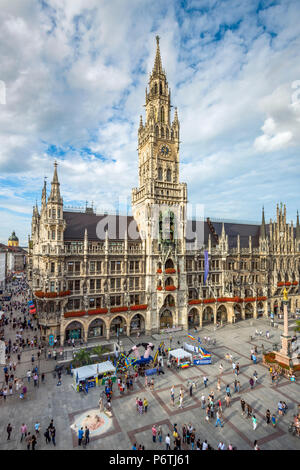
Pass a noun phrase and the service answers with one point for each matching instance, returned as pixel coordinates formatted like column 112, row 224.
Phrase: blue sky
column 75, row 74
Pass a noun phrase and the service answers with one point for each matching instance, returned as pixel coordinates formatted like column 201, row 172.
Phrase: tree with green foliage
column 99, row 351
column 297, row 328
column 81, row 358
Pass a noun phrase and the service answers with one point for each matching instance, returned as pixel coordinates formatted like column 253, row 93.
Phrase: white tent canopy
column 93, row 370
column 180, row 354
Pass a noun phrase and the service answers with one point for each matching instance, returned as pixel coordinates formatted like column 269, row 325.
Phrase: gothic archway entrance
column 193, row 318
column 222, row 314
column 118, row 326
column 74, row 330
column 96, row 329
column 248, row 311
column 260, row 309
column 207, row 316
column 166, row 319
column 237, row 312
column 137, row 324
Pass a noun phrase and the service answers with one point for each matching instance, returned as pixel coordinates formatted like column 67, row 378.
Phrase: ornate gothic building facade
column 96, row 276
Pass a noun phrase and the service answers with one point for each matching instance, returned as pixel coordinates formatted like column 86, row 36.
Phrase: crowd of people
column 21, row 335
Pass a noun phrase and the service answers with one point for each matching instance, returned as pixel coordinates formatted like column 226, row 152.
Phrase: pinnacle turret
column 262, row 233
column 55, row 192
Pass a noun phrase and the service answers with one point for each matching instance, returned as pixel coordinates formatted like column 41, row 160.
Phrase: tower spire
column 262, row 233
column 157, row 63
column 55, row 192
column 298, row 228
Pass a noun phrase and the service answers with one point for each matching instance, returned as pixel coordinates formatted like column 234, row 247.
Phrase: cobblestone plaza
column 63, row 404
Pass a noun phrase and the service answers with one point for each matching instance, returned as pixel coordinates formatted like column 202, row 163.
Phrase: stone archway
column 96, row 328
column 118, row 326
column 237, row 312
column 137, row 324
column 193, row 318
column 169, row 301
column 207, row 315
column 74, row 330
column 169, row 264
column 166, row 319
column 222, row 314
column 249, row 310
column 260, row 309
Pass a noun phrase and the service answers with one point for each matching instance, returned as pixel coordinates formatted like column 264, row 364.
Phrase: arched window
column 155, row 88
column 167, row 133
column 169, row 174
column 172, row 134
column 160, row 89
column 162, row 132
column 160, row 174
column 162, row 114
column 156, row 131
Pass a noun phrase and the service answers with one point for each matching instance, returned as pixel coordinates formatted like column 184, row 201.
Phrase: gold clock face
column 165, row 151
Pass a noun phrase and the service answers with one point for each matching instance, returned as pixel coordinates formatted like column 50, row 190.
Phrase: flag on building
column 206, row 265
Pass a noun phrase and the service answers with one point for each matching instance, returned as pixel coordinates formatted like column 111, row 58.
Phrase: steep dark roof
column 244, row 230
column 77, row 222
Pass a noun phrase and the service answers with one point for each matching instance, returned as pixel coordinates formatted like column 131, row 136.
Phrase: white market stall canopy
column 93, row 370
column 180, row 354
column 190, row 347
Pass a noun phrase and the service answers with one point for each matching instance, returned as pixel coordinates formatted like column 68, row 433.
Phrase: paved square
column 63, row 404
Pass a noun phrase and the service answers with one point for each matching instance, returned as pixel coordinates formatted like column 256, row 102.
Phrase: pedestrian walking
column 28, row 440
column 218, row 420
column 173, row 395
column 8, row 430
column 86, row 436
column 168, row 442
column 268, row 416
column 80, row 436
column 243, row 404
column 33, row 442
column 154, row 432
column 23, row 431
column 254, row 422
column 159, row 434
column 47, row 436
column 145, row 405
column 53, row 433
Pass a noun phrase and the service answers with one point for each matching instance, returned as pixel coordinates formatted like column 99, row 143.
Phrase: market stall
column 92, row 375
column 200, row 356
column 106, row 371
column 182, row 357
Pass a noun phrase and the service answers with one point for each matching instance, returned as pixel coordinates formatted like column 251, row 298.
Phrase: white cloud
column 76, row 73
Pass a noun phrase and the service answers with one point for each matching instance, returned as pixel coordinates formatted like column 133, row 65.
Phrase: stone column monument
column 284, row 355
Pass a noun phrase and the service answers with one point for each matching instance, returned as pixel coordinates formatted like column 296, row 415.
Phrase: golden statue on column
column 285, row 297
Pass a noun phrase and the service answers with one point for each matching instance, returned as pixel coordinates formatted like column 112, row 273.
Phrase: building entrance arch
column 249, row 310
column 74, row 330
column 237, row 312
column 166, row 319
column 96, row 328
column 193, row 318
column 137, row 324
column 222, row 314
column 207, row 315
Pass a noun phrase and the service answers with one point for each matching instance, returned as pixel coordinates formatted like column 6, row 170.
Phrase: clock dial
column 164, row 150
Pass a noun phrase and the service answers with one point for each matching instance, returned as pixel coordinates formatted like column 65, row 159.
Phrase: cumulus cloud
column 75, row 75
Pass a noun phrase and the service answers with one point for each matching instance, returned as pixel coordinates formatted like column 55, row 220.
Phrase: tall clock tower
column 159, row 203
